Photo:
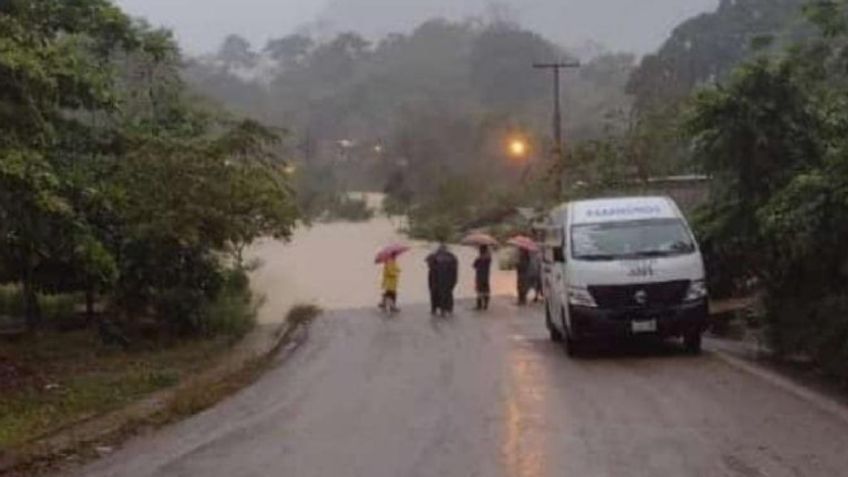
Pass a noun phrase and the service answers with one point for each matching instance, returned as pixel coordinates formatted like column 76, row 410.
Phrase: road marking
column 821, row 401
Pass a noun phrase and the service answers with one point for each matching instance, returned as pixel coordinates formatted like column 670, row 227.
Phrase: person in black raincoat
column 482, row 274
column 443, row 274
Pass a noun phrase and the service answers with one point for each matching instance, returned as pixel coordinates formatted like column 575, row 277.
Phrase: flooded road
column 489, row 395
column 332, row 265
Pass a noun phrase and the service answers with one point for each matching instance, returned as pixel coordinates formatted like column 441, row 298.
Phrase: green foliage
column 707, row 48
column 621, row 162
column 456, row 200
column 593, row 167
column 752, row 136
column 54, row 308
column 113, row 180
column 233, row 310
column 828, row 15
column 88, row 378
column 350, row 209
column 301, row 315
column 499, row 65
column 774, row 140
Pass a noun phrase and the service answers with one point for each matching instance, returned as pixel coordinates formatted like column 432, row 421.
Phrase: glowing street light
column 518, row 148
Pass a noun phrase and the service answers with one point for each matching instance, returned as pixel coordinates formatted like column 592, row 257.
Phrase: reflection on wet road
column 489, row 396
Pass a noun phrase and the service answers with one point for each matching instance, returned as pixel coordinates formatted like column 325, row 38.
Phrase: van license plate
column 649, row 326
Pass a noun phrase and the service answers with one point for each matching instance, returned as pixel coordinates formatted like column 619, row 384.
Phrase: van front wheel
column 556, row 336
column 693, row 342
column 573, row 346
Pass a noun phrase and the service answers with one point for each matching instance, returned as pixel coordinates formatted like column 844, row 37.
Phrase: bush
column 302, row 314
column 54, row 308
column 11, row 301
column 433, row 229
column 233, row 312
column 350, row 209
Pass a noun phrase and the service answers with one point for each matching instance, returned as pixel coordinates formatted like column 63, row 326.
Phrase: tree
column 290, row 51
column 236, row 52
column 112, row 179
column 752, row 136
column 441, row 98
column 707, row 48
column 500, row 60
column 51, row 63
column 774, row 140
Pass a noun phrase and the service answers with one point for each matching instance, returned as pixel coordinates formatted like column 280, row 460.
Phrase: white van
column 622, row 267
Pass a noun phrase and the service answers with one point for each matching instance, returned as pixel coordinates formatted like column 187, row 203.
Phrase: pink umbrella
column 480, row 239
column 392, row 251
column 523, row 242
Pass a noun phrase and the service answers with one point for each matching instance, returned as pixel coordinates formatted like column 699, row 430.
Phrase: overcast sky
column 634, row 25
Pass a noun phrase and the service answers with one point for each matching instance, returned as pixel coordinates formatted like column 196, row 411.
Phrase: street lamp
column 518, row 148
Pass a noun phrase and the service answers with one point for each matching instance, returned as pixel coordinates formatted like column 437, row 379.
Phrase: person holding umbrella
column 482, row 266
column 391, row 276
column 524, row 279
column 391, row 279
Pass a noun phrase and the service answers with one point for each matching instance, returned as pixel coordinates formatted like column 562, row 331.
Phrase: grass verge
column 202, row 384
column 54, row 379
column 203, row 394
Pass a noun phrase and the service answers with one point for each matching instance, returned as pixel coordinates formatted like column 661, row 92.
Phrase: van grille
column 626, row 296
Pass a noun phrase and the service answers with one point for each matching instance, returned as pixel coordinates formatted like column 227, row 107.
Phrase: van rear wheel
column 556, row 336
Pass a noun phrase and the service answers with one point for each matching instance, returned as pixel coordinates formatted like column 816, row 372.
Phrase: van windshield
column 635, row 239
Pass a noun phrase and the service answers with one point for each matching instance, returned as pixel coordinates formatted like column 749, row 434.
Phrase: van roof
column 623, row 209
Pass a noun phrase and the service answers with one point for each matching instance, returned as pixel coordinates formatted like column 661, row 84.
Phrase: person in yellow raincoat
column 391, row 281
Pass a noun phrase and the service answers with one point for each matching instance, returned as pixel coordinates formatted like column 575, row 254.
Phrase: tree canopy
column 110, row 170
column 773, row 138
column 444, row 98
column 706, row 48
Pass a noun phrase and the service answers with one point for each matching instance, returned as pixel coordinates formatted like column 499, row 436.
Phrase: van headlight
column 697, row 290
column 581, row 297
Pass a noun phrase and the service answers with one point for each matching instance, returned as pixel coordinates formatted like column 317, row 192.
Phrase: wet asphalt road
column 489, row 395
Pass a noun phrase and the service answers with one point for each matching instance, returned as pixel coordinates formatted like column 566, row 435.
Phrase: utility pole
column 306, row 146
column 557, row 68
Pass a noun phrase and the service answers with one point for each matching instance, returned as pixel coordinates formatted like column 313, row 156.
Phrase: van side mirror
column 559, row 254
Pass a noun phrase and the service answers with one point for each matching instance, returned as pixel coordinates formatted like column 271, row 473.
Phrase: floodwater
column 332, row 265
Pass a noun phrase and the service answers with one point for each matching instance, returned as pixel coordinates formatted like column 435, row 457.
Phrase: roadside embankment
column 203, row 375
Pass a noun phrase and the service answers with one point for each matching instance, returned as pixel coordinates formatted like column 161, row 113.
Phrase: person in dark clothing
column 443, row 275
column 523, row 278
column 483, row 269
